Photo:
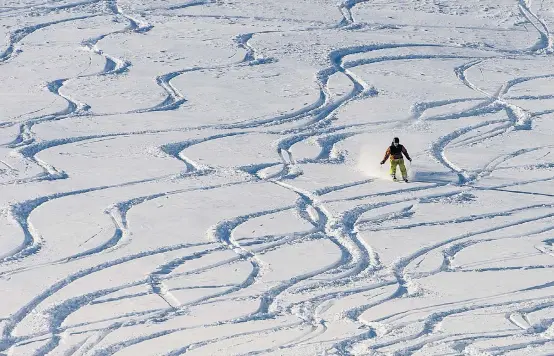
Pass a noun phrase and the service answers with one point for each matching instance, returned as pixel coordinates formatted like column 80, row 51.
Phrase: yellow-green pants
column 398, row 163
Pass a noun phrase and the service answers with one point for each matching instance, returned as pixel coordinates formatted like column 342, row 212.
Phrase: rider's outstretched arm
column 387, row 154
column 405, row 152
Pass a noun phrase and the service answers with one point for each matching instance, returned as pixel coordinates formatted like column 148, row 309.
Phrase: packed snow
column 203, row 177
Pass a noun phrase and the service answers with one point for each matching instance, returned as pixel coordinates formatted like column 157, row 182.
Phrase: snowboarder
column 395, row 152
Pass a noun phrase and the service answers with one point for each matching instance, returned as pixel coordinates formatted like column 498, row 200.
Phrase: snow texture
column 202, row 177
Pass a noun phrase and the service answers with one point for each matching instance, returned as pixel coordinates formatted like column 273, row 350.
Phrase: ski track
column 113, row 66
column 545, row 43
column 19, row 35
column 359, row 268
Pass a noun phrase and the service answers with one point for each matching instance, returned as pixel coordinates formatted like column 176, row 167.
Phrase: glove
column 382, row 162
column 409, row 159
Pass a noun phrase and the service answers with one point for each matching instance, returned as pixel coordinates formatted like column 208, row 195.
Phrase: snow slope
column 202, row 177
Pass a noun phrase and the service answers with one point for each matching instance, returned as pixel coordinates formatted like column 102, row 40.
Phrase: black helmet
column 396, row 139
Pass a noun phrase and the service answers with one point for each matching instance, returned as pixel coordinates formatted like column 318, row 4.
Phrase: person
column 395, row 151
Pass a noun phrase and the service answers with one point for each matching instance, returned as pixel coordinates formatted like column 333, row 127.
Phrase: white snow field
column 202, row 177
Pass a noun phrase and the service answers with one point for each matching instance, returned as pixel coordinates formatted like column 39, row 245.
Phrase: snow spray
column 369, row 160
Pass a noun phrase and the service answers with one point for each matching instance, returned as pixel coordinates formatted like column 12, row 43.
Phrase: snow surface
column 202, row 177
